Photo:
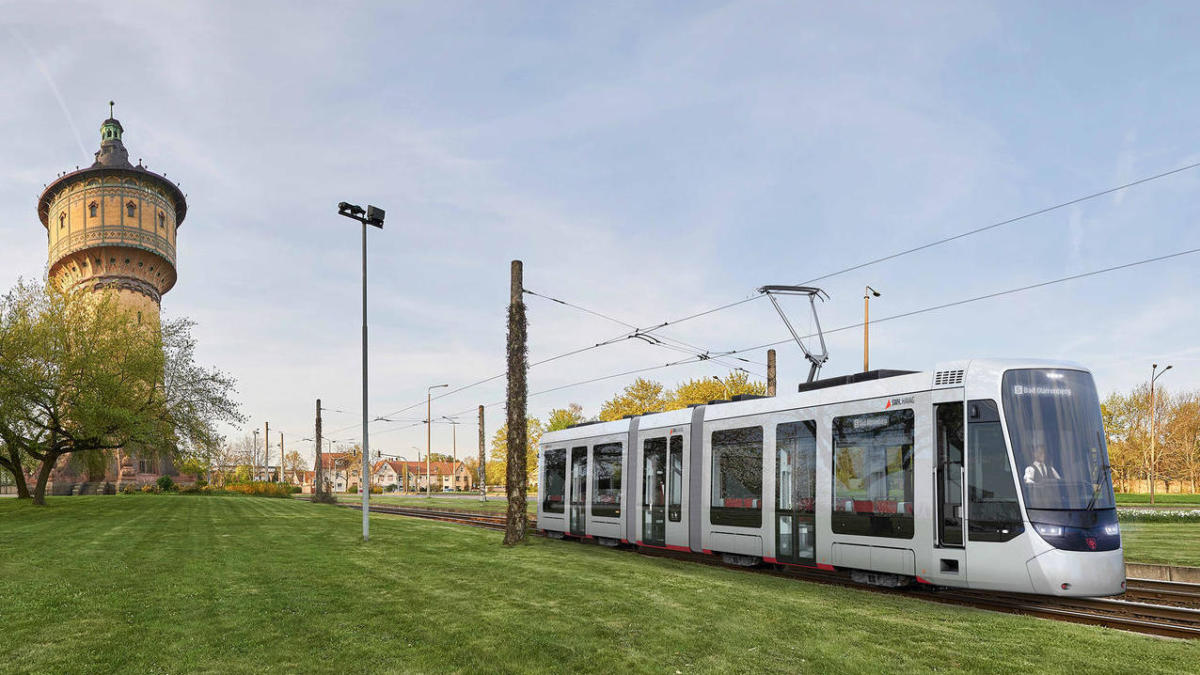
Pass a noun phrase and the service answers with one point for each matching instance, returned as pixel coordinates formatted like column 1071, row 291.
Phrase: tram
column 982, row 474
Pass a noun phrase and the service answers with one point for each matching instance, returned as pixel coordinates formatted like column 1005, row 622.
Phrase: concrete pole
column 266, row 448
column 428, row 437
column 771, row 372
column 365, row 480
column 318, row 470
column 482, row 461
column 516, row 520
column 281, row 455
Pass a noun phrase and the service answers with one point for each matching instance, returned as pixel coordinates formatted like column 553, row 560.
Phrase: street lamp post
column 867, row 293
column 372, row 216
column 254, row 458
column 1153, row 431
column 454, row 444
column 429, row 429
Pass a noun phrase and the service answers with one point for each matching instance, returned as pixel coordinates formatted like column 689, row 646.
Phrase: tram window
column 873, row 474
column 737, row 481
column 993, row 512
column 606, row 480
column 675, row 502
column 555, row 480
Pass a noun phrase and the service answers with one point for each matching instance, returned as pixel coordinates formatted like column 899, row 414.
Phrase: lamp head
column 375, row 216
column 348, row 209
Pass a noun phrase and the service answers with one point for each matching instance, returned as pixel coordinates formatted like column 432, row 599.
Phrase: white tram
column 983, row 474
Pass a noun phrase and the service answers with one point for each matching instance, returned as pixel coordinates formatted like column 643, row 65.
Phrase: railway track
column 1162, row 608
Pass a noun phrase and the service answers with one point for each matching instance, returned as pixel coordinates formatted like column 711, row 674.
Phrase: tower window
column 92, row 209
column 131, row 209
column 62, row 220
column 162, row 219
column 139, row 318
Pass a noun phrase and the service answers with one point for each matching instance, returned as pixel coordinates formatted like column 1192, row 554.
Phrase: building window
column 606, row 480
column 873, row 474
column 92, row 209
column 162, row 220
column 737, row 481
column 62, row 220
column 131, row 209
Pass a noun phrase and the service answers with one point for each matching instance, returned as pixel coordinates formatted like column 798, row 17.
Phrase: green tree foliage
column 497, row 466
column 440, row 457
column 81, row 378
column 704, row 390
column 561, row 418
column 641, row 397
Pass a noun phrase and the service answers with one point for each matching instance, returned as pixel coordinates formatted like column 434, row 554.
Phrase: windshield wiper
column 1100, row 470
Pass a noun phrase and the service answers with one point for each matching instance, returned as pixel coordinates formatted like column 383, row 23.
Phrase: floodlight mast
column 814, row 294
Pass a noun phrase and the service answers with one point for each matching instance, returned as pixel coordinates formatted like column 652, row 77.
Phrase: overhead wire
column 892, row 317
column 637, row 331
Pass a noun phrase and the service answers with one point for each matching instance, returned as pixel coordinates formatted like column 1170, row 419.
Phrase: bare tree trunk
column 14, row 466
column 518, row 430
column 39, row 491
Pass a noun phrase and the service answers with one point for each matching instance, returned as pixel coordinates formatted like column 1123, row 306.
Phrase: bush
column 150, row 488
column 296, row 489
column 200, row 482
column 192, row 489
column 262, row 489
column 376, row 490
column 129, row 489
column 165, row 484
column 353, row 490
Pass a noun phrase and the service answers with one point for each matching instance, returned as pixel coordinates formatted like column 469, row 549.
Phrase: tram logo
column 899, row 401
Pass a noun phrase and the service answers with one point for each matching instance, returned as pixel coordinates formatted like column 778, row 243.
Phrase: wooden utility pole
column 770, row 372
column 281, row 456
column 266, row 449
column 482, row 461
column 518, row 431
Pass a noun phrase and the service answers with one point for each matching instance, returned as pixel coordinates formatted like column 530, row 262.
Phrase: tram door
column 579, row 470
column 796, row 493
column 654, row 492
column 949, row 441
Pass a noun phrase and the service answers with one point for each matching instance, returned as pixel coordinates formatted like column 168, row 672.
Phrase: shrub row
column 263, row 489
column 1158, row 516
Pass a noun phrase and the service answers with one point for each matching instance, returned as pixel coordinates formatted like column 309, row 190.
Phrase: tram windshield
column 1058, row 439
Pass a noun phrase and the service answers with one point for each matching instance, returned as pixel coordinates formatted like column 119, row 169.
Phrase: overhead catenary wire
column 650, row 329
column 946, row 240
column 892, row 317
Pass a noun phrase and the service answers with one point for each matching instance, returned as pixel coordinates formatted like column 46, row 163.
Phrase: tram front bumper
column 1078, row 573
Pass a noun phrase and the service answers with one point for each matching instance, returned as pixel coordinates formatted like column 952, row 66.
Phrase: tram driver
column 1040, row 472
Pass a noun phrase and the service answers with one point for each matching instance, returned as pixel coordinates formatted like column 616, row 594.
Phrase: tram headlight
column 1112, row 529
column 1048, row 530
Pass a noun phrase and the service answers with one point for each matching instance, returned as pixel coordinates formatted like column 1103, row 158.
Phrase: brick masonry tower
column 113, row 225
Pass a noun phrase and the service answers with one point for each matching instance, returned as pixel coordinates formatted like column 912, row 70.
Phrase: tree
column 440, row 457
column 561, row 418
column 641, row 397
column 295, row 464
column 497, row 466
column 702, row 391
column 83, row 380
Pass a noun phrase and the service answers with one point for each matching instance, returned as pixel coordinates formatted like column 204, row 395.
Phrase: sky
column 646, row 161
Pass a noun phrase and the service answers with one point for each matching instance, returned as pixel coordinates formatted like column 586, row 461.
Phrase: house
column 342, row 470
column 439, row 477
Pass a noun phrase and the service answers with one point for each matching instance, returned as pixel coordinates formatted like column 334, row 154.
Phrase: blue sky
column 646, row 160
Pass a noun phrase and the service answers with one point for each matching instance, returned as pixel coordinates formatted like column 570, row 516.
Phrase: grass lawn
column 494, row 504
column 1143, row 499
column 1164, row 543
column 145, row 583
